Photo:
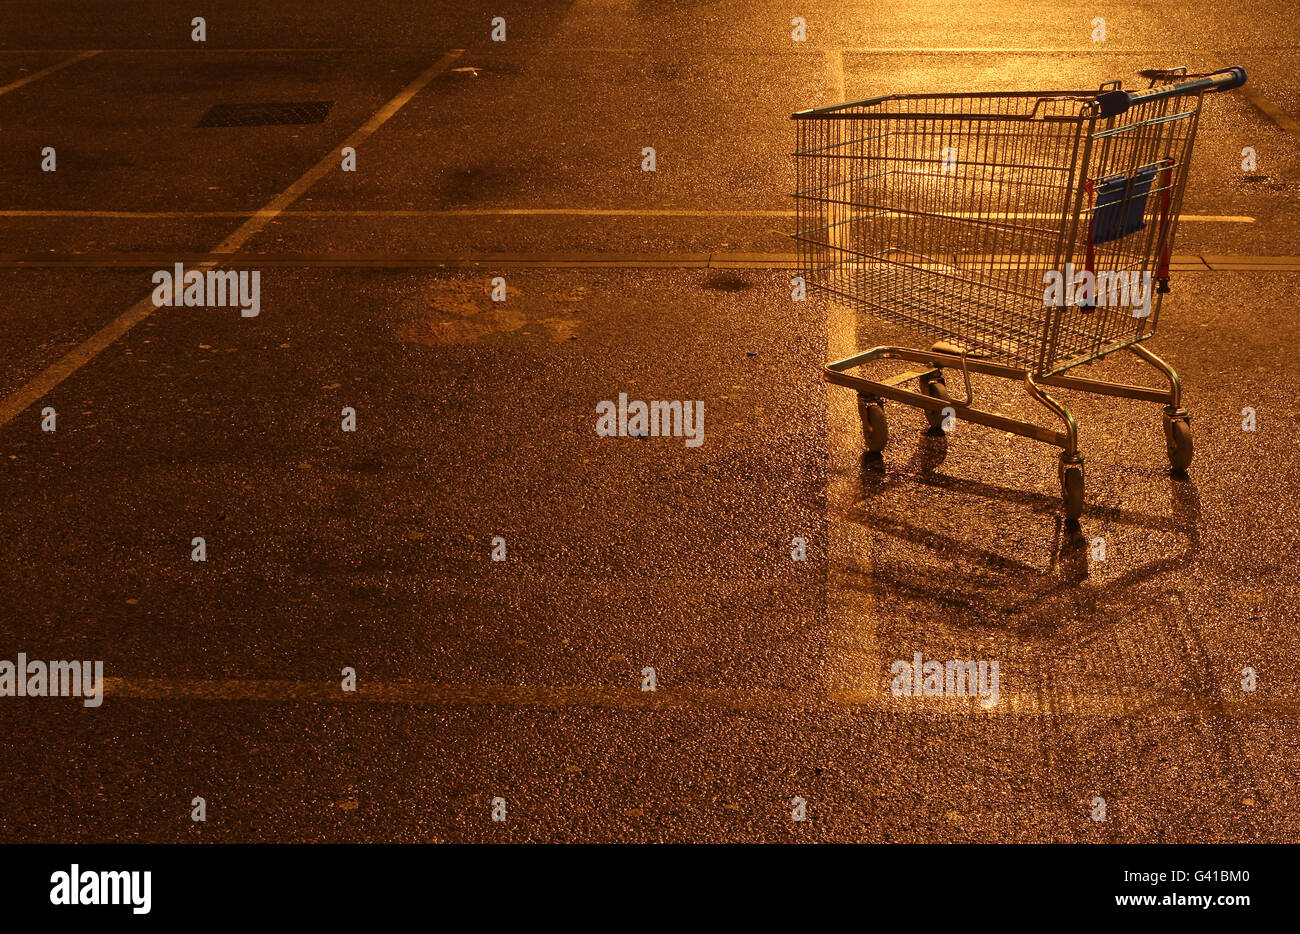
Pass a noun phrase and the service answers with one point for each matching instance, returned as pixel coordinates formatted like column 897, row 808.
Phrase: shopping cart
column 1023, row 230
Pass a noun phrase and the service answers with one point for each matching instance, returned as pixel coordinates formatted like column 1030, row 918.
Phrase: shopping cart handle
column 1114, row 103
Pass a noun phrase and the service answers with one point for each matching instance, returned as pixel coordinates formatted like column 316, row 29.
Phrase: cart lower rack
column 1024, row 232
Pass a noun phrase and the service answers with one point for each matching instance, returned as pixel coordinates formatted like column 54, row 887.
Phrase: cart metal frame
column 858, row 244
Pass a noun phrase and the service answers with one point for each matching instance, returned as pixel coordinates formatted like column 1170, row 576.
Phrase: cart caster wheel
column 1072, row 489
column 875, row 431
column 1178, row 442
column 935, row 388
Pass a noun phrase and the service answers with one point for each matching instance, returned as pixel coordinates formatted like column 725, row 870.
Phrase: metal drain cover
column 267, row 114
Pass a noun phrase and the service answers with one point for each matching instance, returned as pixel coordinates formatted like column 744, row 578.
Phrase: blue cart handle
column 1114, row 103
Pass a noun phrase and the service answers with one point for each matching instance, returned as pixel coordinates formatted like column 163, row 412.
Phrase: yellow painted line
column 1010, row 704
column 57, row 66
column 90, row 348
column 1090, row 50
column 205, row 47
column 788, row 48
column 835, row 75
column 450, row 212
column 1293, row 266
column 1194, row 218
column 433, row 694
column 1280, row 118
column 818, row 48
column 386, row 260
column 850, row 606
column 1229, row 259
column 519, row 212
column 1272, row 111
column 391, row 260
column 331, row 161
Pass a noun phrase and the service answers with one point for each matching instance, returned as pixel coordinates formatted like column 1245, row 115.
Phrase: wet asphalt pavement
column 475, row 420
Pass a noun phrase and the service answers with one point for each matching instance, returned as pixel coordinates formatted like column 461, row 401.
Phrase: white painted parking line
column 850, row 609
column 1150, row 705
column 1280, row 118
column 521, row 212
column 57, row 66
column 809, row 48
column 390, row 259
column 90, row 348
